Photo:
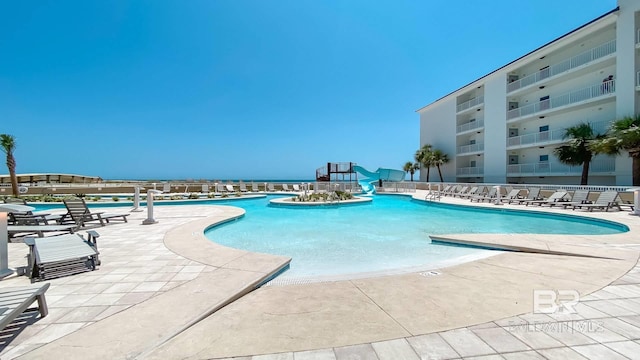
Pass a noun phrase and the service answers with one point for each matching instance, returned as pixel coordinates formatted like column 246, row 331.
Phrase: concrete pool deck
column 158, row 281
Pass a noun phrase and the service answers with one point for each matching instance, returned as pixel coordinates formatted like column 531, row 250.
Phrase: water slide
column 367, row 184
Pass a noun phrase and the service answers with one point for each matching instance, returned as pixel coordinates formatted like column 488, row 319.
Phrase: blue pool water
column 392, row 232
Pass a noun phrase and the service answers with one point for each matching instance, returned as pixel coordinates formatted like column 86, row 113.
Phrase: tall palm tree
column 623, row 134
column 578, row 151
column 424, row 158
column 8, row 145
column 438, row 159
column 410, row 168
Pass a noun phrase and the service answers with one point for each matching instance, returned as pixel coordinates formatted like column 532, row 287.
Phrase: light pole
column 136, row 199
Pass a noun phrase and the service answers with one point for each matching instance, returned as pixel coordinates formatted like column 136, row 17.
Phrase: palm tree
column 578, row 151
column 8, row 145
column 624, row 134
column 411, row 168
column 438, row 159
column 424, row 158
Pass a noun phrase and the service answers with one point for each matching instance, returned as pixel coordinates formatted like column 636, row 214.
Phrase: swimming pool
column 389, row 234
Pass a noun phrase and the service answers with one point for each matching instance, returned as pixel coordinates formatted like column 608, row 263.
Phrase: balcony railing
column 572, row 97
column 470, row 125
column 638, row 37
column 535, row 138
column 599, row 127
column 469, row 104
column 638, row 78
column 470, row 148
column 469, row 171
column 545, row 167
column 574, row 62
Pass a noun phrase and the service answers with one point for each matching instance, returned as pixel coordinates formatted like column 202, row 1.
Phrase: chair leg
column 42, row 305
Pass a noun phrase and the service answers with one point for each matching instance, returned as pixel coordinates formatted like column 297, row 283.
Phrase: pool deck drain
column 466, row 303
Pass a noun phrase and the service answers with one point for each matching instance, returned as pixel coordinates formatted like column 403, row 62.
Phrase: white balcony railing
column 599, row 127
column 469, row 104
column 546, row 168
column 536, row 138
column 470, row 148
column 574, row 62
column 478, row 123
column 469, row 171
column 569, row 98
column 638, row 78
column 638, row 37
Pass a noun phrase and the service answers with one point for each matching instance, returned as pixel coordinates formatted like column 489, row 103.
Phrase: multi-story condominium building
column 503, row 127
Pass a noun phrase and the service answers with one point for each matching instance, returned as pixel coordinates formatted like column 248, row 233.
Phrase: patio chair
column 466, row 194
column 230, row 189
column 205, row 189
column 79, row 213
column 491, row 195
column 16, row 300
column 254, row 187
column 285, row 187
column 243, row 187
column 271, row 187
column 296, row 187
column 39, row 230
column 556, row 196
column 578, row 197
column 56, row 256
column 605, row 201
column 513, row 194
column 532, row 194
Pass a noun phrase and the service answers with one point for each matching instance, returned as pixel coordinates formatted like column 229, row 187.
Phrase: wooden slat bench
column 56, row 256
column 15, row 300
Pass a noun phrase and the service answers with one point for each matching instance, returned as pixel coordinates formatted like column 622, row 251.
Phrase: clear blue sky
column 247, row 89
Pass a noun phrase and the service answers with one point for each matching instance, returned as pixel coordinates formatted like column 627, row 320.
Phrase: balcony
column 471, row 148
column 469, row 104
column 551, row 136
column 638, row 81
column 536, row 138
column 471, row 125
column 545, row 168
column 569, row 64
column 472, row 171
column 576, row 96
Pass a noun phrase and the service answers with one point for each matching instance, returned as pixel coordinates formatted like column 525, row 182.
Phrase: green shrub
column 115, row 198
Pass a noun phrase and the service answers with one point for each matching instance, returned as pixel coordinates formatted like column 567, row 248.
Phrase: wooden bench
column 16, row 300
column 56, row 256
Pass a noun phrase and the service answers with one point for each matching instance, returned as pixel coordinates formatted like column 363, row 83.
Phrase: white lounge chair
column 285, row 187
column 605, row 201
column 556, row 196
column 296, row 187
column 56, row 256
column 16, row 300
column 254, row 187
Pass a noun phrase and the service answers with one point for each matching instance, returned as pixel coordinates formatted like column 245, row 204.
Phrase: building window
column 544, row 158
column 472, row 163
column 544, row 128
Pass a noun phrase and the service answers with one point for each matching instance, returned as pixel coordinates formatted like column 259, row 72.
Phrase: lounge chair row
column 579, row 199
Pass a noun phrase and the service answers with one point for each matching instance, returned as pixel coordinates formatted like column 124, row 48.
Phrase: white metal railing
column 470, row 148
column 594, row 91
column 571, row 63
column 638, row 78
column 638, row 37
column 535, row 138
column 470, row 170
column 471, row 103
column 545, row 167
column 399, row 187
column 599, row 127
column 478, row 123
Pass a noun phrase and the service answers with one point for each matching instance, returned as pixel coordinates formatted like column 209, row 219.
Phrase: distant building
column 504, row 126
column 42, row 179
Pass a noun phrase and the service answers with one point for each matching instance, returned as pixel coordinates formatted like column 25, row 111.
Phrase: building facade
column 503, row 127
